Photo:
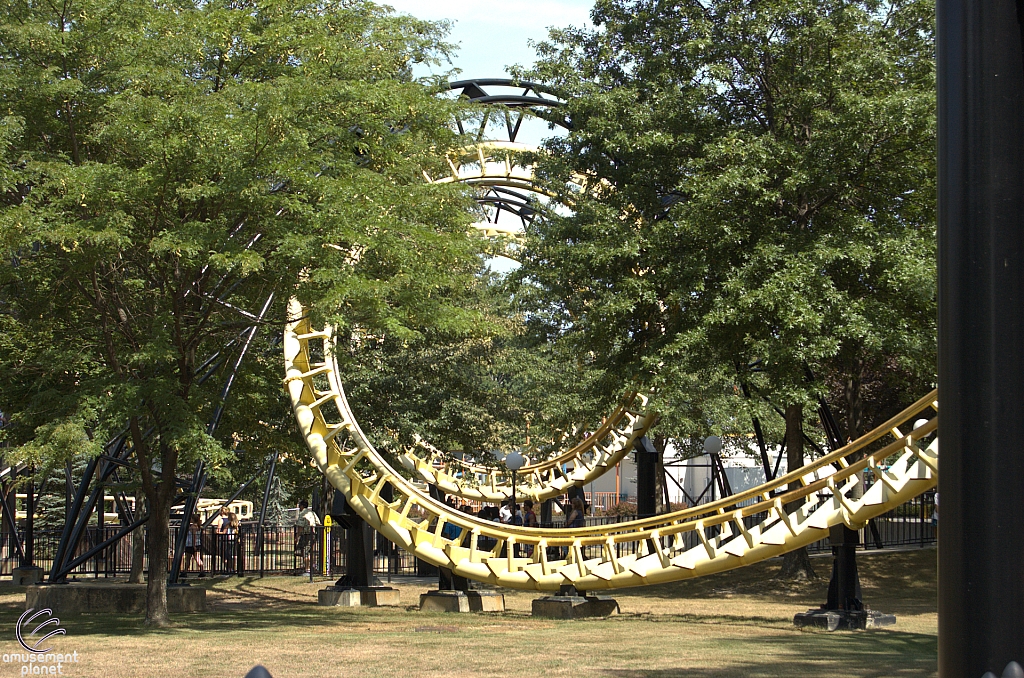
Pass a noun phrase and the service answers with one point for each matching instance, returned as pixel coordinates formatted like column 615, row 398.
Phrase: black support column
column 646, row 473
column 981, row 337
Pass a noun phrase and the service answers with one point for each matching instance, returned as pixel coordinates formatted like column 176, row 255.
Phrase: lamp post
column 514, row 461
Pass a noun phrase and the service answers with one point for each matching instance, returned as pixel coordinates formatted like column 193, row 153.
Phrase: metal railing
column 910, row 524
column 296, row 550
column 286, row 550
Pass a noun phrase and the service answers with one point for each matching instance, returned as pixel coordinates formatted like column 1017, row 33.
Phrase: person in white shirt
column 505, row 513
column 305, row 522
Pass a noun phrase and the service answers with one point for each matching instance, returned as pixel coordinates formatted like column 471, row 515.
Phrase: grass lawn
column 736, row 625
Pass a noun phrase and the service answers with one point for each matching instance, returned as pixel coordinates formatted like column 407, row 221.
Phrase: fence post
column 920, row 515
column 326, row 556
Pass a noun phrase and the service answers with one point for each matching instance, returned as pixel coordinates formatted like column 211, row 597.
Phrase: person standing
column 530, row 516
column 306, row 523
column 220, row 532
column 233, row 543
column 529, row 520
column 194, row 544
column 505, row 513
column 577, row 516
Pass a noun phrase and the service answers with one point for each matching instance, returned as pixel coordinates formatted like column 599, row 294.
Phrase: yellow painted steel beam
column 760, row 523
column 599, row 452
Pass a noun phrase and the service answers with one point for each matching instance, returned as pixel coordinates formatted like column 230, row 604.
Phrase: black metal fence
column 286, row 550
column 321, row 550
column 909, row 524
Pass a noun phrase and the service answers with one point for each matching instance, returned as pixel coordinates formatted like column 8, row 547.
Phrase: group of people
column 226, row 544
column 511, row 513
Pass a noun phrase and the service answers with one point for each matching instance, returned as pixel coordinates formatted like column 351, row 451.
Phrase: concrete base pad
column 574, row 607
column 79, row 597
column 26, row 576
column 486, row 601
column 445, row 601
column 360, row 596
column 845, row 620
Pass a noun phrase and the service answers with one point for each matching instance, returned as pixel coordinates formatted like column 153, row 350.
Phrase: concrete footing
column 844, row 620
column 486, row 601
column 79, row 597
column 26, row 576
column 445, row 601
column 574, row 607
column 358, row 596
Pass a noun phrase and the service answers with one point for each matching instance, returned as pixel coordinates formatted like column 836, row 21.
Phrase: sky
column 493, row 34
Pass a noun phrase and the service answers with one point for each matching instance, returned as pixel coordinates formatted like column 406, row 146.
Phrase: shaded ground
column 729, row 625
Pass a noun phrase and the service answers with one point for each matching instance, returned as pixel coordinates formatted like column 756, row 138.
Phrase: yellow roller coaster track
column 599, row 452
column 760, row 523
column 490, row 164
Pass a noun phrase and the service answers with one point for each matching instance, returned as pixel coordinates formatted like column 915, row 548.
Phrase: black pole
column 72, row 529
column 199, row 477
column 762, row 448
column 198, row 481
column 9, row 517
column 69, row 491
column 981, row 337
column 99, row 525
column 546, row 517
column 263, row 510
column 646, row 472
column 30, row 509
column 123, row 532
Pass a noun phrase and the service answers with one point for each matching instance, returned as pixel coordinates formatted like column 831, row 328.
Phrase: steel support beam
column 263, row 510
column 9, row 517
column 199, row 476
column 30, row 519
column 981, row 337
column 646, row 474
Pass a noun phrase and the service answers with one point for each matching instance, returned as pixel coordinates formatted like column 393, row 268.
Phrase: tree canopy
column 171, row 173
column 757, row 198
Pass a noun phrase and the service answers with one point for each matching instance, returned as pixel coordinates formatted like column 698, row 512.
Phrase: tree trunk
column 158, row 536
column 138, row 545
column 796, row 565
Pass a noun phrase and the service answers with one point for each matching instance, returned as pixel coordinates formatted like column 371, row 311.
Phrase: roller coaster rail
column 743, row 528
column 694, row 542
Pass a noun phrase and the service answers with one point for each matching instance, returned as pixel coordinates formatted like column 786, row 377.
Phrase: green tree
column 758, row 197
column 169, row 166
column 477, row 393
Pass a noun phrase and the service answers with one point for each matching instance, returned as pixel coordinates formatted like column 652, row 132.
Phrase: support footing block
column 359, row 596
column 110, row 598
column 486, row 601
column 444, row 601
column 27, row 576
column 574, row 607
column 844, row 620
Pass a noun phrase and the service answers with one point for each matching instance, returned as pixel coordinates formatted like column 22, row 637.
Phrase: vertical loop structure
column 872, row 475
column 759, row 523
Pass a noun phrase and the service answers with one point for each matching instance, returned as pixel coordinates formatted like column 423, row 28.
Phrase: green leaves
column 166, row 167
column 760, row 193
